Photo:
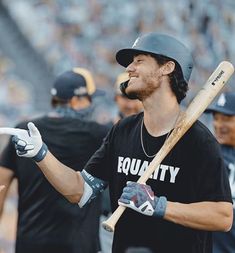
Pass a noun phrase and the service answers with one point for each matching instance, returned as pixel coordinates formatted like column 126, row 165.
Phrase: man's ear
column 168, row 68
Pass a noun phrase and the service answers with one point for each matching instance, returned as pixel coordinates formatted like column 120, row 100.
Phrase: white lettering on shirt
column 135, row 166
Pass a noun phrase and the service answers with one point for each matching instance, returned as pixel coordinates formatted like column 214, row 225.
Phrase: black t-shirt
column 193, row 171
column 47, row 222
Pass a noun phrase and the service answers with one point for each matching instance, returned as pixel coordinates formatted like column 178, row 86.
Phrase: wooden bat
column 198, row 105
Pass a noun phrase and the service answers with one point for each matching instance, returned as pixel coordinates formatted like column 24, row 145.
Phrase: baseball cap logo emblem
column 136, row 42
column 222, row 100
column 53, row 91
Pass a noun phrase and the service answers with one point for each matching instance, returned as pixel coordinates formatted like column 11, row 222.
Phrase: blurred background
column 40, row 39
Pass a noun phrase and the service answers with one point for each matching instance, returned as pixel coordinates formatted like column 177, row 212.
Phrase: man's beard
column 142, row 94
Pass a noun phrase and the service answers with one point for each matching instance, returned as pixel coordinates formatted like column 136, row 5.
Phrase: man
column 224, row 129
column 47, row 222
column 126, row 106
column 186, row 197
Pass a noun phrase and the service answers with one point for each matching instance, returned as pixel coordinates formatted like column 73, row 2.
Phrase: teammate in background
column 47, row 222
column 224, row 129
column 126, row 106
column 188, row 195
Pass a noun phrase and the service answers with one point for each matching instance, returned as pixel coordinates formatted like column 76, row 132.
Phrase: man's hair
column 178, row 85
column 55, row 101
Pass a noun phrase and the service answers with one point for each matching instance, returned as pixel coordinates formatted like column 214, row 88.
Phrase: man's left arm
column 205, row 215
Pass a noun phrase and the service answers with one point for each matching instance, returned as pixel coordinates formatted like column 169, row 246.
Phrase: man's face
column 144, row 73
column 224, row 126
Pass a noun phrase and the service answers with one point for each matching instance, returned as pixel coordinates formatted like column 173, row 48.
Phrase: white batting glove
column 28, row 143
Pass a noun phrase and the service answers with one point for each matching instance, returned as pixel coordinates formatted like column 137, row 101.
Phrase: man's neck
column 160, row 114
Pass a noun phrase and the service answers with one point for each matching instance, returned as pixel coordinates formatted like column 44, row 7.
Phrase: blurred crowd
column 70, row 33
column 87, row 33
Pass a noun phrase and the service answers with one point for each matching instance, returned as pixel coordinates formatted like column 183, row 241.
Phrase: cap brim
column 214, row 109
column 125, row 56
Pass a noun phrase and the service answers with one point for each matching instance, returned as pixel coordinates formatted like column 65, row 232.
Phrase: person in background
column 187, row 197
column 223, row 119
column 126, row 106
column 47, row 222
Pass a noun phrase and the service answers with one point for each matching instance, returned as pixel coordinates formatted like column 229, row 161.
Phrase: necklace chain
column 141, row 136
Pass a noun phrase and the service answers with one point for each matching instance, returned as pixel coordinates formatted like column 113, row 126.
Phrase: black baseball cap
column 75, row 82
column 225, row 104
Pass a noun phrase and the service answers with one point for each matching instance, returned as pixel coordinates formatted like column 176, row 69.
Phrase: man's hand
column 140, row 198
column 28, row 143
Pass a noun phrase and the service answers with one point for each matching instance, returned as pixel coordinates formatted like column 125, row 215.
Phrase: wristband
column 160, row 208
column 41, row 153
column 92, row 187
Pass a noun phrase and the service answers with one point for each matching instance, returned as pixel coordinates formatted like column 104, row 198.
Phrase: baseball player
column 47, row 222
column 187, row 196
column 223, row 112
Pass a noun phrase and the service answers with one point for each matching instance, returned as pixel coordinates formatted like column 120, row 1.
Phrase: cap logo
column 222, row 100
column 80, row 91
column 136, row 42
column 53, row 91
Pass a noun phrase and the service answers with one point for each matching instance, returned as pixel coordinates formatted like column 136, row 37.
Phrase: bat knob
column 107, row 226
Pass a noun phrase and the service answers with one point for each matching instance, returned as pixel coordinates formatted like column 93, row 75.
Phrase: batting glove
column 140, row 198
column 28, row 143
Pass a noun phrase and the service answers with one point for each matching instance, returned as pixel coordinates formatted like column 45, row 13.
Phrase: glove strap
column 41, row 153
column 160, row 207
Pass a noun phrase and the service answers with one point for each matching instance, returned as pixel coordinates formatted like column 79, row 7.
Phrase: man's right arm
column 65, row 180
column 77, row 187
column 28, row 143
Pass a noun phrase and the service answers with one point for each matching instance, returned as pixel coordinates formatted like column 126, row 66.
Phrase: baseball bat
column 197, row 106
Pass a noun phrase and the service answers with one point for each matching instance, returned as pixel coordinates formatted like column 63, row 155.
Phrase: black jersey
column 47, row 222
column 193, row 171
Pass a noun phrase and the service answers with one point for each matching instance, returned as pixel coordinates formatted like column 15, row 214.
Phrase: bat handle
column 110, row 223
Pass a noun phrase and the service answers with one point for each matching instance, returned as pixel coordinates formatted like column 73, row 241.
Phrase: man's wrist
column 160, row 208
column 41, row 153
